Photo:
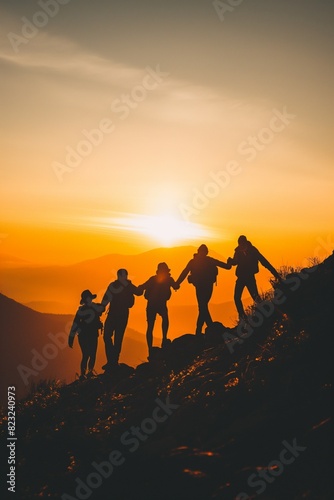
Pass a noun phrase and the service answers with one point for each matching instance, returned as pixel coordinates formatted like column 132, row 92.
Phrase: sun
column 164, row 229
column 168, row 230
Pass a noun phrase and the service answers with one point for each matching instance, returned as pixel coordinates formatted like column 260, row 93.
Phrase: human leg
column 122, row 321
column 165, row 322
column 92, row 351
column 252, row 288
column 82, row 338
column 150, row 315
column 239, row 288
column 203, row 295
column 109, row 328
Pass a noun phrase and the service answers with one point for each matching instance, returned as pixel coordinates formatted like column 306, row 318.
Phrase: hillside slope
column 34, row 347
column 239, row 414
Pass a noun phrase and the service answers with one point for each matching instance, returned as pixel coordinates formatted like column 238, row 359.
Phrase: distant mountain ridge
column 7, row 260
column 59, row 287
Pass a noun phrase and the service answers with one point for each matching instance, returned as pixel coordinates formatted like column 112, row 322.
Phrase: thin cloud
column 165, row 228
column 55, row 55
column 60, row 55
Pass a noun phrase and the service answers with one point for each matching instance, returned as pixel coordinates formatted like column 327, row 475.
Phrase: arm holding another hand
column 184, row 274
column 220, row 263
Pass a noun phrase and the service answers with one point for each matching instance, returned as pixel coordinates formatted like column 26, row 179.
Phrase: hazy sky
column 218, row 114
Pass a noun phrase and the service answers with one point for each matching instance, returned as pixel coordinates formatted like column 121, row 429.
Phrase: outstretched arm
column 174, row 284
column 268, row 266
column 184, row 274
column 99, row 308
column 222, row 264
column 73, row 331
column 142, row 288
column 107, row 297
column 233, row 261
column 138, row 291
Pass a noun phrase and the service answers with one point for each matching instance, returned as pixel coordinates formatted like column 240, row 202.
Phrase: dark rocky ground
column 206, row 418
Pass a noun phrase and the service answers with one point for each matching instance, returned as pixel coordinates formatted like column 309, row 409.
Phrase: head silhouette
column 203, row 250
column 163, row 268
column 87, row 296
column 122, row 274
column 242, row 241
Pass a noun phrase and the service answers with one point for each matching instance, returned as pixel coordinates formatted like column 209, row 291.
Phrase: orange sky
column 130, row 127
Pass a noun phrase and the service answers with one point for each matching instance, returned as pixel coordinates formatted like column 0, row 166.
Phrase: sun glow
column 166, row 230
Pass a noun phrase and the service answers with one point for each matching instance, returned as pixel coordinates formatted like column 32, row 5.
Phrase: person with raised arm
column 202, row 271
column 157, row 292
column 120, row 297
column 246, row 258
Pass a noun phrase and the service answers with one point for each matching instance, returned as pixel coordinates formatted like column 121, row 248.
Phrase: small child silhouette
column 86, row 325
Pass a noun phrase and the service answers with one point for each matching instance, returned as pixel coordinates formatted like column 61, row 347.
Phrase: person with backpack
column 120, row 297
column 246, row 258
column 86, row 325
column 157, row 292
column 202, row 271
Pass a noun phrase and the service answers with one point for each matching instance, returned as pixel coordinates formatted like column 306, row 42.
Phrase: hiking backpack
column 203, row 270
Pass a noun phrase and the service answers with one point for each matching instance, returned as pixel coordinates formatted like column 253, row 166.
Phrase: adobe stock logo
column 131, row 441
column 121, row 108
column 267, row 475
column 249, row 148
column 40, row 360
column 222, row 8
column 31, row 28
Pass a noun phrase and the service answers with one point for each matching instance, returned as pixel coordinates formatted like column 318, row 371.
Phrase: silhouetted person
column 203, row 274
column 120, row 297
column 247, row 258
column 87, row 324
column 157, row 292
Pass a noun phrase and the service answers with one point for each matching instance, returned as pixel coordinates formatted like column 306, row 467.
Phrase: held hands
column 229, row 263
